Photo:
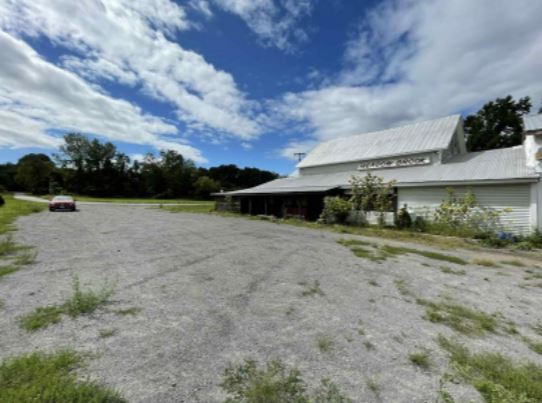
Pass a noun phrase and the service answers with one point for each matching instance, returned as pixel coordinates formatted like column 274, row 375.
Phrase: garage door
column 515, row 199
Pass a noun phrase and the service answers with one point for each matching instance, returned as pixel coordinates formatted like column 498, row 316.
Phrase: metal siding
column 411, row 139
column 533, row 122
column 514, row 197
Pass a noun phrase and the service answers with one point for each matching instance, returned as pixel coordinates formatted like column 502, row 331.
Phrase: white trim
column 534, row 211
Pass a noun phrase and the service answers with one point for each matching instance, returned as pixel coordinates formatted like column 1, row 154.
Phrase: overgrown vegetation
column 82, row 302
column 50, row 378
column 336, row 209
column 496, row 377
column 14, row 208
column 460, row 318
column 325, row 344
column 275, row 383
column 421, row 359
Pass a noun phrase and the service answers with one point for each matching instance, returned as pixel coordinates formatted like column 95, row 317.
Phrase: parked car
column 64, row 203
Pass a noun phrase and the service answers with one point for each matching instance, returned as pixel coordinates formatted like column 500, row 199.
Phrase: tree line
column 94, row 168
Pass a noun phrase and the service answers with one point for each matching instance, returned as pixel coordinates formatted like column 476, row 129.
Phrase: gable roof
column 501, row 165
column 533, row 122
column 414, row 138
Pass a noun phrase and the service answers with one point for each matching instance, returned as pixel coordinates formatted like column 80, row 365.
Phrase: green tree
column 204, row 186
column 34, row 172
column 497, row 124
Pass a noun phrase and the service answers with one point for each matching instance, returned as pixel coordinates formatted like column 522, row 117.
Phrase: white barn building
column 424, row 159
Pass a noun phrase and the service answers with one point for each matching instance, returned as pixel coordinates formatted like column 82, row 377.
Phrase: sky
column 252, row 82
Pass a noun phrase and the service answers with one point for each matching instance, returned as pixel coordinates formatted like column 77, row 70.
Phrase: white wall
column 517, row 198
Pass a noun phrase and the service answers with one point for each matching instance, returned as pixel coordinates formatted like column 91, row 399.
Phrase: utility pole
column 300, row 156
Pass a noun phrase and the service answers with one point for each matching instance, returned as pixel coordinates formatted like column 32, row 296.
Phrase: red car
column 64, row 203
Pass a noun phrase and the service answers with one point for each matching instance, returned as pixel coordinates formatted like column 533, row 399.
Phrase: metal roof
column 533, row 122
column 414, row 138
column 504, row 165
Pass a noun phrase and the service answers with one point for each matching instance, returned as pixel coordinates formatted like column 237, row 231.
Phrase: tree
column 204, row 186
column 34, row 172
column 497, row 124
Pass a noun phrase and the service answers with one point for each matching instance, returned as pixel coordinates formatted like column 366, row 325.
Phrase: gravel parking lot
column 210, row 291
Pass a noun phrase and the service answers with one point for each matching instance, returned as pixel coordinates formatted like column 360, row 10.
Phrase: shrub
column 2, row 201
column 463, row 216
column 371, row 193
column 336, row 209
column 403, row 218
column 420, row 224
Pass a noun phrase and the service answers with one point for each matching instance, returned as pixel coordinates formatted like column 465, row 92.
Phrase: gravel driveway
column 214, row 291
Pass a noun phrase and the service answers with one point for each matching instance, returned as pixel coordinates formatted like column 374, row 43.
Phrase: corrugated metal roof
column 507, row 164
column 533, row 122
column 418, row 137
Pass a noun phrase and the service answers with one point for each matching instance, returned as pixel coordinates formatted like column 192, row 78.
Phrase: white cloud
column 297, row 146
column 126, row 41
column 414, row 60
column 37, row 96
column 275, row 23
column 246, row 146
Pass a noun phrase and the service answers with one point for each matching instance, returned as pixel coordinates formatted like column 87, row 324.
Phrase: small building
column 424, row 159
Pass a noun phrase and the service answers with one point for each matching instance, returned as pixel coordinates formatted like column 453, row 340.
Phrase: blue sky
column 251, row 82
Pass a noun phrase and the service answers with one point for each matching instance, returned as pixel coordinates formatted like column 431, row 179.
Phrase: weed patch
column 421, row 359
column 516, row 263
column 81, row 303
column 275, row 383
column 312, row 290
column 449, row 270
column 128, row 311
column 41, row 318
column 42, row 377
column 105, row 333
column 325, row 344
column 458, row 317
column 5, row 270
column 484, row 262
column 495, row 376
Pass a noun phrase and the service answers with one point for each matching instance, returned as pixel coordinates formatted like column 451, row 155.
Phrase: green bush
column 336, row 209
column 403, row 218
column 420, row 224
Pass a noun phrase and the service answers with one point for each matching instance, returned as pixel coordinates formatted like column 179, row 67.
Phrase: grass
column 85, row 302
column 534, row 345
column 484, row 262
column 420, row 359
column 496, row 377
column 516, row 263
column 312, row 290
column 105, row 333
column 402, row 288
column 537, row 328
column 5, row 270
column 373, row 387
column 449, row 270
column 41, row 317
column 80, row 303
column 15, row 208
column 460, row 318
column 275, row 383
column 40, row 377
column 379, row 254
column 206, row 208
column 128, row 311
column 325, row 344
column 136, row 200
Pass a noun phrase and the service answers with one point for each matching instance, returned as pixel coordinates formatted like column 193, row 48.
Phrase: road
column 211, row 291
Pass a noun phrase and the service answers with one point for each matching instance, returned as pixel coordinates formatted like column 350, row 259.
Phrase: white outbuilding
column 424, row 159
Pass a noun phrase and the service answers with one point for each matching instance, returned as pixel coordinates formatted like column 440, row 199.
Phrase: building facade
column 424, row 159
